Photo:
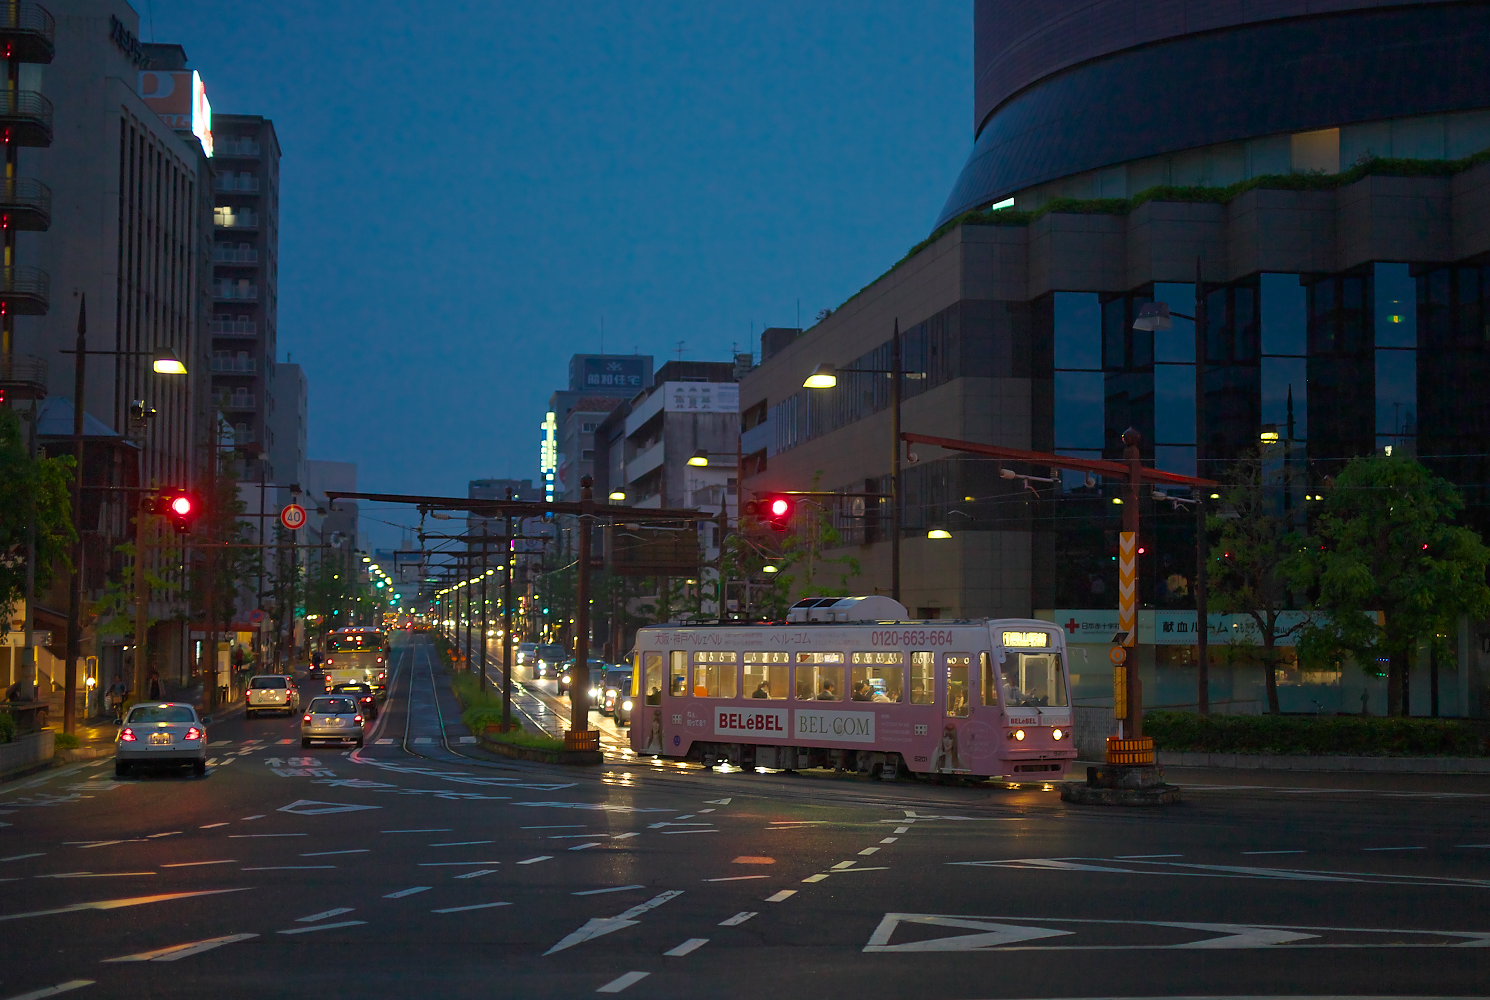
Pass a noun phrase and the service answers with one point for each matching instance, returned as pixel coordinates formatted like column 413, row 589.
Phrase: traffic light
column 179, row 506
column 775, row 511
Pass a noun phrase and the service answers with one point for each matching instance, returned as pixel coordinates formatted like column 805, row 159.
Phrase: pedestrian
column 154, row 685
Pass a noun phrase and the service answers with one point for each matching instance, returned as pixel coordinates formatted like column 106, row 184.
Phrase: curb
column 571, row 757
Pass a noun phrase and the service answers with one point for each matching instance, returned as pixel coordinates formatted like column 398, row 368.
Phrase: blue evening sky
column 474, row 190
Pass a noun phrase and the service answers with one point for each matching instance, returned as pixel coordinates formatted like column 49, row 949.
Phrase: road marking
column 562, row 826
column 614, row 888
column 254, row 836
column 585, row 846
column 718, row 802
column 902, row 829
column 323, row 915
column 245, row 819
column 737, row 919
column 179, row 951
column 477, row 873
column 990, row 933
column 626, row 836
column 310, row 807
column 211, row 826
column 289, row 868
column 736, row 878
column 383, row 742
column 569, row 836
column 194, row 864
column 870, row 850
column 674, row 833
column 597, row 926
column 842, row 865
column 782, row 895
column 456, row 864
column 434, row 829
column 466, row 739
column 114, row 904
column 534, row 861
column 95, row 874
column 462, row 843
column 400, row 894
column 323, row 927
column 888, row 840
column 1271, row 852
column 814, row 878
column 473, row 906
column 51, row 991
column 1393, row 848
column 23, row 857
column 324, row 854
column 753, row 859
column 1140, row 857
column 687, row 947
column 621, row 982
column 423, row 740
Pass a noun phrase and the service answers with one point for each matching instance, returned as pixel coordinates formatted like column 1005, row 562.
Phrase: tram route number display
column 911, row 637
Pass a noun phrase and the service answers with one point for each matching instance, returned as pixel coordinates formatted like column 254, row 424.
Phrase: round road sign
column 292, row 517
column 1117, row 654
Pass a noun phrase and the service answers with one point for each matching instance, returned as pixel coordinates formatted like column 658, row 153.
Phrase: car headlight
column 626, row 705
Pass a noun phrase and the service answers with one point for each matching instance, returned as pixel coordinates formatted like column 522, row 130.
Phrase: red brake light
column 357, row 719
column 307, row 717
column 127, row 736
column 193, row 733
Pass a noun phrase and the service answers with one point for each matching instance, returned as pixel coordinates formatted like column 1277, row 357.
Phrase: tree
column 1256, row 542
column 33, row 491
column 1391, row 568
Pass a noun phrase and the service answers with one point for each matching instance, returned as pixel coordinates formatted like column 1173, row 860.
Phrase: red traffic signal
column 775, row 511
column 180, row 507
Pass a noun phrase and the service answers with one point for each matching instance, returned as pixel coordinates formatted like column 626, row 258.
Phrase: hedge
column 1315, row 735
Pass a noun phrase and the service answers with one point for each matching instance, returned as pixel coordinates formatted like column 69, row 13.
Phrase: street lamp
column 826, row 377
column 164, row 363
column 1157, row 316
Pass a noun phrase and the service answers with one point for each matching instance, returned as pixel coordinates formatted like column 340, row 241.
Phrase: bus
column 852, row 683
column 357, row 654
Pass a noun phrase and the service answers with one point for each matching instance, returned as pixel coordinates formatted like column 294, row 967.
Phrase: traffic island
column 1130, row 778
column 522, row 745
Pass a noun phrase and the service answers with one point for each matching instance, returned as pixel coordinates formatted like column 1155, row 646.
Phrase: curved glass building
column 1304, row 183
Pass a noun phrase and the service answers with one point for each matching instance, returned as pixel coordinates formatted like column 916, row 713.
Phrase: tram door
column 957, row 706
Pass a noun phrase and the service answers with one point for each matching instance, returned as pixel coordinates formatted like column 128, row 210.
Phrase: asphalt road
column 421, row 866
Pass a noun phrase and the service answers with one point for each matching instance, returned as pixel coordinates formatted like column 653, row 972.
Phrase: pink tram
column 851, row 683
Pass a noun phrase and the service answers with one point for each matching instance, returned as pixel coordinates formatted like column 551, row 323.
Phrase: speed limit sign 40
column 293, row 516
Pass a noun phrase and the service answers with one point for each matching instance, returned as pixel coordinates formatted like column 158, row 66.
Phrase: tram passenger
column 879, row 695
column 764, row 691
column 828, row 693
column 861, row 692
column 654, row 696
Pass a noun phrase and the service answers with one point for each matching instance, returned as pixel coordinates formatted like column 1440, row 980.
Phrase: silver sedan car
column 161, row 732
column 332, row 717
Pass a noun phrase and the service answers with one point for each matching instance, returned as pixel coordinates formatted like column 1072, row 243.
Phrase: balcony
column 23, row 376
column 27, row 32
column 243, row 149
column 235, row 293
column 234, row 255
column 234, row 218
column 235, row 401
column 26, row 204
column 234, row 328
column 25, row 291
column 227, row 182
column 28, row 116
column 228, row 365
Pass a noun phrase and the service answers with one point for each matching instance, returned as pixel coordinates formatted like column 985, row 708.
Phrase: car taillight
column 193, row 733
column 329, row 661
column 357, row 719
column 127, row 736
column 380, row 659
column 306, row 718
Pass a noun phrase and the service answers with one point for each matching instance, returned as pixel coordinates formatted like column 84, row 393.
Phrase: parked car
column 271, row 693
column 161, row 732
column 332, row 717
column 367, row 698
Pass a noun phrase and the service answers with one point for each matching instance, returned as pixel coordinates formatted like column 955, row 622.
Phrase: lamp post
column 165, row 364
column 826, row 377
column 1156, row 316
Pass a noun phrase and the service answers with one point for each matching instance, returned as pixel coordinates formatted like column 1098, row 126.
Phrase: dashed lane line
column 621, row 982
column 686, row 948
column 323, row 927
column 176, row 952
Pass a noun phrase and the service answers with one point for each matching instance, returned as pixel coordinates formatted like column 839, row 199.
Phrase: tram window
column 819, row 682
column 958, row 665
column 678, row 686
column 987, row 679
column 767, row 680
column 878, row 683
column 715, row 680
column 652, row 677
column 923, row 678
column 1035, row 679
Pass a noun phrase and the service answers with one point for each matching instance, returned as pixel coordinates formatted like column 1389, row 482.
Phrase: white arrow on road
column 598, row 926
column 990, row 933
column 1240, row 936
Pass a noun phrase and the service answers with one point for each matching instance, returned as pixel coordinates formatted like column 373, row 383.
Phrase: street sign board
column 292, row 517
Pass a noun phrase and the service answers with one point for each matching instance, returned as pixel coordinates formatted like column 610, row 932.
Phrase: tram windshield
column 1033, row 680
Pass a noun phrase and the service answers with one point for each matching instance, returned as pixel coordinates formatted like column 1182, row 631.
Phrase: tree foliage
column 1391, row 568
column 1256, row 541
column 33, row 491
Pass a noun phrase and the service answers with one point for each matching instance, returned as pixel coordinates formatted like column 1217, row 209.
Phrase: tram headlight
column 1058, row 734
column 1018, row 735
column 626, row 704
